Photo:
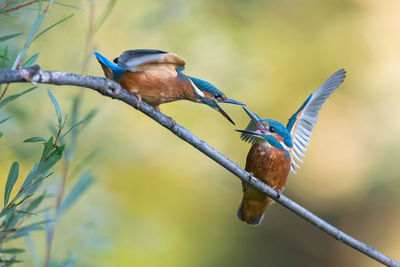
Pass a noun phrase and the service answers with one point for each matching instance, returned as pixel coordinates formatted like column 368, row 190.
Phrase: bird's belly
column 155, row 88
column 269, row 164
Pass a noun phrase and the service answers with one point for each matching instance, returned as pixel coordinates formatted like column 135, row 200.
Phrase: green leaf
column 70, row 6
column 23, row 231
column 12, row 178
column 35, row 203
column 12, row 97
column 35, row 139
column 52, row 26
column 84, row 120
column 4, row 120
column 29, row 39
column 30, row 61
column 10, row 36
column 76, row 192
column 47, row 149
column 12, row 250
column 1, row 134
column 56, row 106
column 4, row 57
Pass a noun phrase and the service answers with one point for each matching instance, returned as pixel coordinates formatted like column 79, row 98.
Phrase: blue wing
column 300, row 125
column 144, row 59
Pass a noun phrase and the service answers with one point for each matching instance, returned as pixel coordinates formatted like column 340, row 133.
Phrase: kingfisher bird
column 276, row 148
column 157, row 77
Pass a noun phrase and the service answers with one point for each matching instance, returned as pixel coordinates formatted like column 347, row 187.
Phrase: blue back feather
column 116, row 70
column 206, row 86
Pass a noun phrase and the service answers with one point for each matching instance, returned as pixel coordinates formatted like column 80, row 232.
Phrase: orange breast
column 157, row 86
column 269, row 164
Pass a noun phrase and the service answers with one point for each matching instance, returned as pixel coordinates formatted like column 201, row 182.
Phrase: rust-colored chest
column 269, row 164
column 157, row 87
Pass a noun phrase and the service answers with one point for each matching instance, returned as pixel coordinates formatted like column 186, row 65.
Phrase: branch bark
column 111, row 89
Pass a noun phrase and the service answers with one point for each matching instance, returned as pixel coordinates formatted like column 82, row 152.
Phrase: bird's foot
column 139, row 100
column 278, row 192
column 173, row 122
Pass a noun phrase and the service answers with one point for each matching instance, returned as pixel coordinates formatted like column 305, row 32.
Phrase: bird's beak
column 256, row 133
column 259, row 126
column 231, row 101
column 220, row 110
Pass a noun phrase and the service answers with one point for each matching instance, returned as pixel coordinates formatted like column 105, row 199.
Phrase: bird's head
column 266, row 130
column 208, row 94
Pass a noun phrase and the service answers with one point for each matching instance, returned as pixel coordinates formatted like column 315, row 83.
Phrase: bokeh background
column 158, row 201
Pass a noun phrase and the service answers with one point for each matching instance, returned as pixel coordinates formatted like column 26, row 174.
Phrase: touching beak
column 218, row 108
column 257, row 133
column 231, row 101
column 259, row 126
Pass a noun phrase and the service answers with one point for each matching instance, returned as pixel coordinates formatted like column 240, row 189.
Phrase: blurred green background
column 157, row 200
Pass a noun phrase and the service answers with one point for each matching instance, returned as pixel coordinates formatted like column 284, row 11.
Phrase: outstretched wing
column 144, row 59
column 300, row 125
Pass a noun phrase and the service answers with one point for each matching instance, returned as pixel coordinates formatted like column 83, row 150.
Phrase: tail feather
column 111, row 70
column 255, row 222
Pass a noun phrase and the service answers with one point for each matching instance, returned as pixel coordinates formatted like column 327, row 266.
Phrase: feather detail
column 301, row 123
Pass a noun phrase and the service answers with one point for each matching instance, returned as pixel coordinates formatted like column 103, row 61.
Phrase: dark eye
column 272, row 129
column 218, row 97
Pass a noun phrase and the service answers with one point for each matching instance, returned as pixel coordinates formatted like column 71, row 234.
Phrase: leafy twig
column 111, row 89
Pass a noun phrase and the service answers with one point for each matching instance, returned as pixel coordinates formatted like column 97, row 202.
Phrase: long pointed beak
column 231, row 101
column 258, row 133
column 256, row 121
column 224, row 114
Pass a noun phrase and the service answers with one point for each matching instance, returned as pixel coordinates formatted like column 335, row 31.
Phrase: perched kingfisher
column 156, row 77
column 276, row 148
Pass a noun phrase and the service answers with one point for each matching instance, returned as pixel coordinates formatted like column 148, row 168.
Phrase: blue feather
column 293, row 119
column 116, row 70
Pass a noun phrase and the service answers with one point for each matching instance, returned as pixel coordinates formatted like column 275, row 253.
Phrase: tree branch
column 111, row 89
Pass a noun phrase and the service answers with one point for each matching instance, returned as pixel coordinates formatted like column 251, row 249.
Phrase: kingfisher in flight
column 277, row 149
column 157, row 77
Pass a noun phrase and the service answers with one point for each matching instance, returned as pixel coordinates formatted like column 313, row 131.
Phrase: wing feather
column 300, row 125
column 144, row 59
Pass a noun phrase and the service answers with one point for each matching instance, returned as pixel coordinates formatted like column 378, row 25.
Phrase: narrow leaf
column 84, row 120
column 35, row 139
column 10, row 36
column 56, row 106
column 52, row 26
column 12, row 178
column 47, row 149
column 12, row 97
column 76, row 192
column 70, row 6
column 35, row 203
column 29, row 39
column 4, row 57
column 31, row 61
column 4, row 120
column 12, row 250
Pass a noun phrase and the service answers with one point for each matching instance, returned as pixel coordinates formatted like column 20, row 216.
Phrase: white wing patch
column 302, row 128
column 196, row 89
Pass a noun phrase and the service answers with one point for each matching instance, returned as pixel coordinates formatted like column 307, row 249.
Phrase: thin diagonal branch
column 111, row 89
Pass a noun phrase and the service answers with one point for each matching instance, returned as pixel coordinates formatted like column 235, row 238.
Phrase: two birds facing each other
column 157, row 77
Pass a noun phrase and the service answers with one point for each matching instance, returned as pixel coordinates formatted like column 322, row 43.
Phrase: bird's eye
column 272, row 129
column 218, row 97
